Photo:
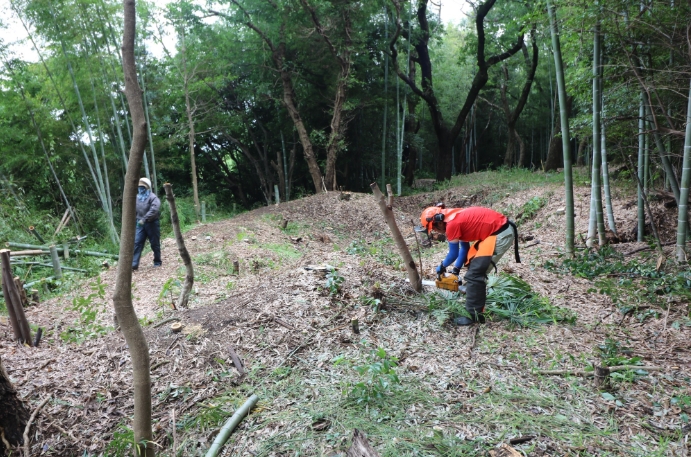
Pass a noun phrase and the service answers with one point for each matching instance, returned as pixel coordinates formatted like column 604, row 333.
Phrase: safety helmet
column 429, row 216
column 145, row 182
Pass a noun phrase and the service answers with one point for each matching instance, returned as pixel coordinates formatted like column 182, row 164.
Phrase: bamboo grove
column 252, row 101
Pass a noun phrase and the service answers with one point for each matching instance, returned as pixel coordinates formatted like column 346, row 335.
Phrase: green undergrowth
column 635, row 284
column 380, row 249
column 509, row 298
column 314, row 413
column 493, row 185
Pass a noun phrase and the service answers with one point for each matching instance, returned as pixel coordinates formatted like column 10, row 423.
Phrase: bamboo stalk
column 647, row 206
column 46, row 250
column 563, row 114
column 682, row 218
column 56, row 262
column 230, row 425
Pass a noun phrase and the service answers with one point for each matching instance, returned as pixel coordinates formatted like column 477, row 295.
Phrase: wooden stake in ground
column 20, row 326
column 184, row 254
column 13, row 413
column 413, row 275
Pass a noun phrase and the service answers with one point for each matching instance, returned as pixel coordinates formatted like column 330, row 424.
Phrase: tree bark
column 122, row 298
column 180, row 241
column 13, row 413
column 387, row 212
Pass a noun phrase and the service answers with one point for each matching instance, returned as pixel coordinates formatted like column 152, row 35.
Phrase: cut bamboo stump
column 56, row 262
column 35, row 233
column 20, row 326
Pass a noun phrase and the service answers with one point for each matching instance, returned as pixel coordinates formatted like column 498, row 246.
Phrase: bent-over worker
column 148, row 224
column 491, row 234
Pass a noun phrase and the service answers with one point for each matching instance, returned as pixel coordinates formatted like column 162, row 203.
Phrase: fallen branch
column 164, row 322
column 575, row 372
column 160, row 364
column 531, row 245
column 283, row 323
column 28, row 425
column 236, row 361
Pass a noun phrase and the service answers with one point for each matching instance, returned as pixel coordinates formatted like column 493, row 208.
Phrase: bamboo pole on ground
column 403, row 250
column 184, row 254
column 14, row 305
column 46, row 250
column 230, row 425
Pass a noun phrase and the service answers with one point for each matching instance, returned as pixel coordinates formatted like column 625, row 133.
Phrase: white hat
column 145, row 182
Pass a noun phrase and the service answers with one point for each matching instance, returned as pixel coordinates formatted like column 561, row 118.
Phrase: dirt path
column 462, row 389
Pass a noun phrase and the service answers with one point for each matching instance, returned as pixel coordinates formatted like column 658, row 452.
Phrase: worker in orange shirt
column 478, row 237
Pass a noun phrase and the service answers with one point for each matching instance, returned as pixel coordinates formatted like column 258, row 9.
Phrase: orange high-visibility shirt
column 474, row 223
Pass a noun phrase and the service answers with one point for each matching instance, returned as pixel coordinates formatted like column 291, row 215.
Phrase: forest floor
column 449, row 391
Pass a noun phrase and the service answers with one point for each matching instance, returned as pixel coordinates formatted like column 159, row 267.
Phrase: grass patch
column 284, row 251
column 632, row 284
column 381, row 249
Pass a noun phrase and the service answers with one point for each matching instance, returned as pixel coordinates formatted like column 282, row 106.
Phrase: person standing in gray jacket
column 148, row 224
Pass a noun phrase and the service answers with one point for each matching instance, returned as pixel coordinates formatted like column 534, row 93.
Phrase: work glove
column 456, row 271
column 441, row 269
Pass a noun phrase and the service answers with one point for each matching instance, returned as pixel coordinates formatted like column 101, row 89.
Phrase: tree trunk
column 122, row 298
column 682, row 226
column 13, row 413
column 387, row 212
column 184, row 254
column 555, row 152
column 446, row 135
column 564, row 116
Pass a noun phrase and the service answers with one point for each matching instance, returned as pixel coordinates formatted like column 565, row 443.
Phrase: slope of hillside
column 454, row 391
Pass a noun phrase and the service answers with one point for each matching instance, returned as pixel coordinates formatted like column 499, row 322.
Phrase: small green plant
column 334, row 281
column 530, row 209
column 612, row 353
column 88, row 308
column 122, row 443
column 379, row 377
column 171, row 289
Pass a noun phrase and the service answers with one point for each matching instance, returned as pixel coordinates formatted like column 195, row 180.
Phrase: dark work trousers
column 152, row 231
column 476, row 286
column 479, row 268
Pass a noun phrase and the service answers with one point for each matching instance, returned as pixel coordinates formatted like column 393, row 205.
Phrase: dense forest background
column 247, row 98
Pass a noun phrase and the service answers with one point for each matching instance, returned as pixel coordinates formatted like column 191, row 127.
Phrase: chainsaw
column 448, row 282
